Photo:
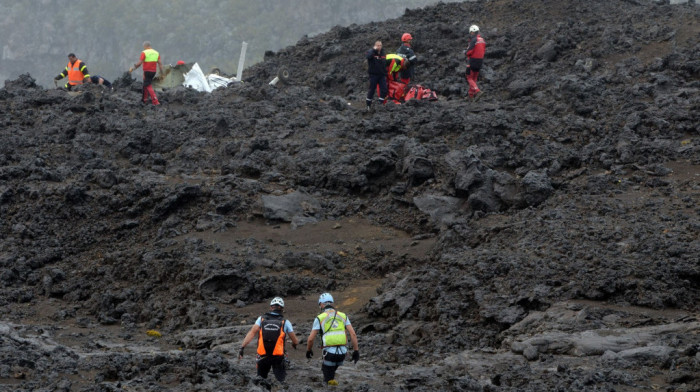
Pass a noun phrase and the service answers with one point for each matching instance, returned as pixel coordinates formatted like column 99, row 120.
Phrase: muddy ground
column 543, row 238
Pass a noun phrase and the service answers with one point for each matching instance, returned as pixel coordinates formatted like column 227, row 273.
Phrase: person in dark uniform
column 97, row 79
column 376, row 61
column 406, row 52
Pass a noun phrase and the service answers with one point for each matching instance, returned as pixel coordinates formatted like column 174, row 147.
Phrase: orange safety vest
column 75, row 73
column 279, row 344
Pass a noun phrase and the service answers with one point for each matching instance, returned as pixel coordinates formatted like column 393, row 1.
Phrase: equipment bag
column 419, row 92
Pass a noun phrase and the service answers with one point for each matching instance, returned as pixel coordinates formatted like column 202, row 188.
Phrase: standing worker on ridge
column 406, row 52
column 333, row 326
column 475, row 59
column 76, row 71
column 149, row 59
column 271, row 329
column 377, row 73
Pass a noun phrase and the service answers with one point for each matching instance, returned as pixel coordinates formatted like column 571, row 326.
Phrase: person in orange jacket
column 149, row 58
column 76, row 71
column 271, row 330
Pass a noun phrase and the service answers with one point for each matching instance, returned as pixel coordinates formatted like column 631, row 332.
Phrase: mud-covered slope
column 544, row 238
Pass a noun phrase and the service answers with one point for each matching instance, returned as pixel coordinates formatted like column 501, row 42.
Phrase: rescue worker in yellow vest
column 334, row 327
column 394, row 64
column 271, row 330
column 149, row 58
column 76, row 71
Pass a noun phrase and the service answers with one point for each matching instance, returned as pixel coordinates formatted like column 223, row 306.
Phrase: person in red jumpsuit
column 475, row 59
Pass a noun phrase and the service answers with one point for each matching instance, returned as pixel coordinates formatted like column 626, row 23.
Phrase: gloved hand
column 294, row 346
column 356, row 356
column 240, row 352
column 57, row 78
column 131, row 69
column 309, row 354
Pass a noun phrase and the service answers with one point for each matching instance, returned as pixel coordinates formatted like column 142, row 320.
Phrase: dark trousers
column 329, row 370
column 374, row 81
column 276, row 363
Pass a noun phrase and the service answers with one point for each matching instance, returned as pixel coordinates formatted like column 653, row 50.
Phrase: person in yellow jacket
column 76, row 71
column 334, row 326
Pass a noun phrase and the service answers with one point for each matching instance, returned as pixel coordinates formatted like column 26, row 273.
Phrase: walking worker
column 475, row 59
column 334, row 327
column 377, row 73
column 406, row 51
column 149, row 58
column 271, row 330
column 76, row 71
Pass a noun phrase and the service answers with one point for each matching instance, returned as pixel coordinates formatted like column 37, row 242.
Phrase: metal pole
column 241, row 60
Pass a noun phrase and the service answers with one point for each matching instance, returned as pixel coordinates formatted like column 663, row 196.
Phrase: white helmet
column 277, row 301
column 324, row 298
column 473, row 28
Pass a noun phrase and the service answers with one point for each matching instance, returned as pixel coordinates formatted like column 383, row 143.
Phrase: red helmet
column 406, row 37
column 180, row 62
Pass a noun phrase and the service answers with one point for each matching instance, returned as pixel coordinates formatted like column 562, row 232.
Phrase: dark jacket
column 406, row 51
column 376, row 62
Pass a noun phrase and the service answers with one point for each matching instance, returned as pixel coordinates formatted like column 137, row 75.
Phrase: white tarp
column 196, row 80
column 216, row 81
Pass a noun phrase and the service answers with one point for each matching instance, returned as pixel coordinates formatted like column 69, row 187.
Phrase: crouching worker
column 271, row 330
column 332, row 325
column 377, row 73
column 97, row 79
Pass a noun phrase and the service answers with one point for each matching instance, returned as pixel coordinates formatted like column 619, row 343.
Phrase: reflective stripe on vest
column 333, row 328
column 395, row 64
column 279, row 345
column 151, row 56
column 75, row 72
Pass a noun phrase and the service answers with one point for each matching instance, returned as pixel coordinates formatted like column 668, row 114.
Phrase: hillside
column 543, row 238
column 36, row 36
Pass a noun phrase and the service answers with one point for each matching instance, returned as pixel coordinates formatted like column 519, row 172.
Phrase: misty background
column 37, row 35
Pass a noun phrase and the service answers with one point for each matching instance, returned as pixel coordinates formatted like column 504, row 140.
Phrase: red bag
column 420, row 93
column 396, row 91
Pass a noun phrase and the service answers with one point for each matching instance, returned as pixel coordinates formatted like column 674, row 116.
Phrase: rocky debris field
column 543, row 238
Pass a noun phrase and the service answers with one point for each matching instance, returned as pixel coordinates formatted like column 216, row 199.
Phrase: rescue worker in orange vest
column 475, row 59
column 76, row 71
column 332, row 325
column 149, row 58
column 271, row 329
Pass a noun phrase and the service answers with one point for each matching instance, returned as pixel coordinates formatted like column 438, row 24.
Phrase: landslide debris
column 544, row 238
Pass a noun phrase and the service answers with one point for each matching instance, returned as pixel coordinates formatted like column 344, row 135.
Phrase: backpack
column 271, row 327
